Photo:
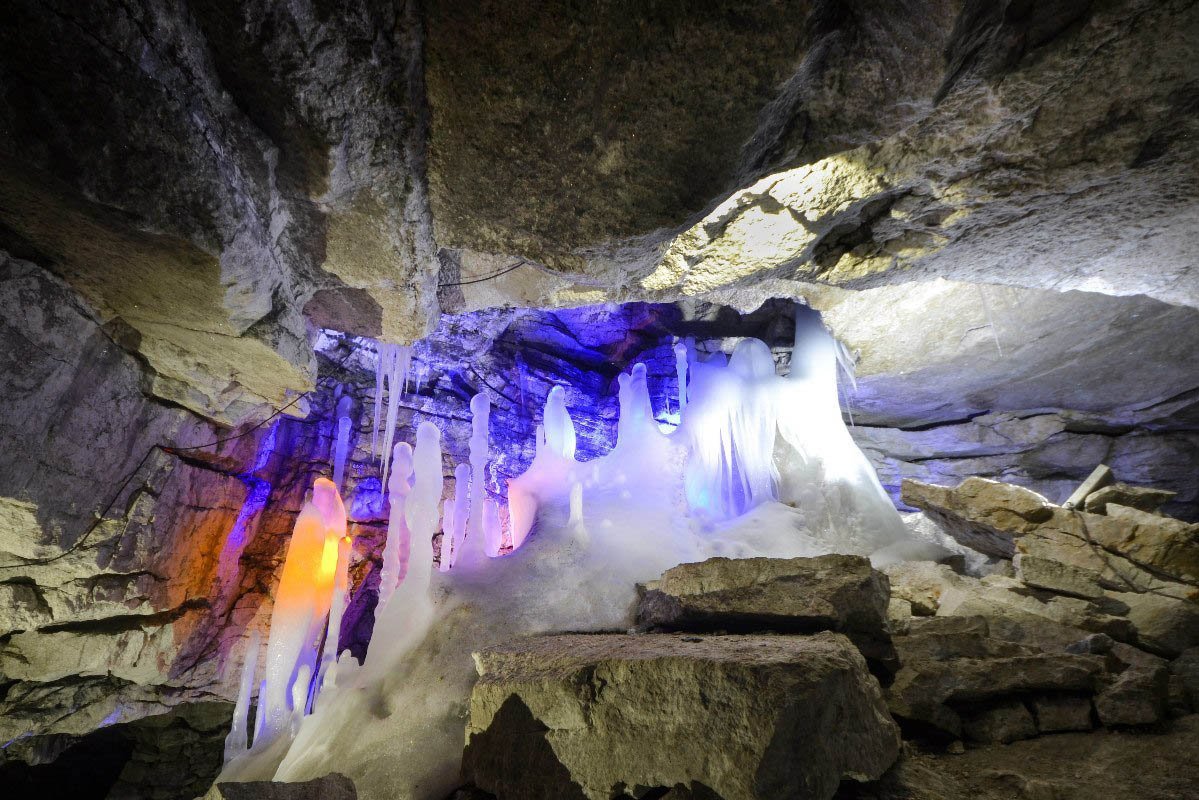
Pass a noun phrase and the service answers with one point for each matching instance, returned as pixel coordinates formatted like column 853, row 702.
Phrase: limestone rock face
column 135, row 555
column 982, row 514
column 835, row 593
column 592, row 716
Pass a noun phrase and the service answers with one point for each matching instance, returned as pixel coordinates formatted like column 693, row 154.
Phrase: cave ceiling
column 218, row 179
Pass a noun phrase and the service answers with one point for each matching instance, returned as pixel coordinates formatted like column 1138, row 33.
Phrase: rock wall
column 134, row 555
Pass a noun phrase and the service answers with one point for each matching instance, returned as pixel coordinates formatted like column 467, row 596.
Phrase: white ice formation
column 758, row 465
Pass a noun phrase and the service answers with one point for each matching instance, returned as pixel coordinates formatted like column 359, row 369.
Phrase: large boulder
column 741, row 717
column 798, row 595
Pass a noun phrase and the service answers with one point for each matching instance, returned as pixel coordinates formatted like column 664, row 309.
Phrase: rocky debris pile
column 766, row 657
column 1093, row 621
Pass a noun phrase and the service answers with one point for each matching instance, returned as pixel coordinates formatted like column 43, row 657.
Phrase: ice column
column 395, row 552
column 342, row 448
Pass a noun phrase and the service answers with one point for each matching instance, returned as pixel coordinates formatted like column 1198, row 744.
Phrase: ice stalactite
column 341, row 448
column 237, row 742
column 399, row 359
column 395, row 552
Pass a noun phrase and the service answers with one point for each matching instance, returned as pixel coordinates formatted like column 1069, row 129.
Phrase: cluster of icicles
column 731, row 412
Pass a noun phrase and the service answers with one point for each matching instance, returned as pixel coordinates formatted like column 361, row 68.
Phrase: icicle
column 395, row 552
column 382, row 370
column 237, row 742
column 342, row 447
column 402, row 359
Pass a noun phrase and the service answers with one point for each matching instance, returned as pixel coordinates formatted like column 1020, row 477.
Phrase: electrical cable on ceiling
column 504, row 271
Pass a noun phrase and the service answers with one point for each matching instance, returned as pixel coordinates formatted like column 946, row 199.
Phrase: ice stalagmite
column 302, row 602
column 341, row 448
column 559, row 427
column 730, row 425
column 337, row 607
column 236, row 742
column 409, row 611
column 480, row 416
column 395, row 552
column 825, row 474
column 454, row 526
column 492, row 531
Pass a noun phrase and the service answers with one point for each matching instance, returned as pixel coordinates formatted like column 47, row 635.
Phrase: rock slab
column 740, row 717
column 840, row 593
